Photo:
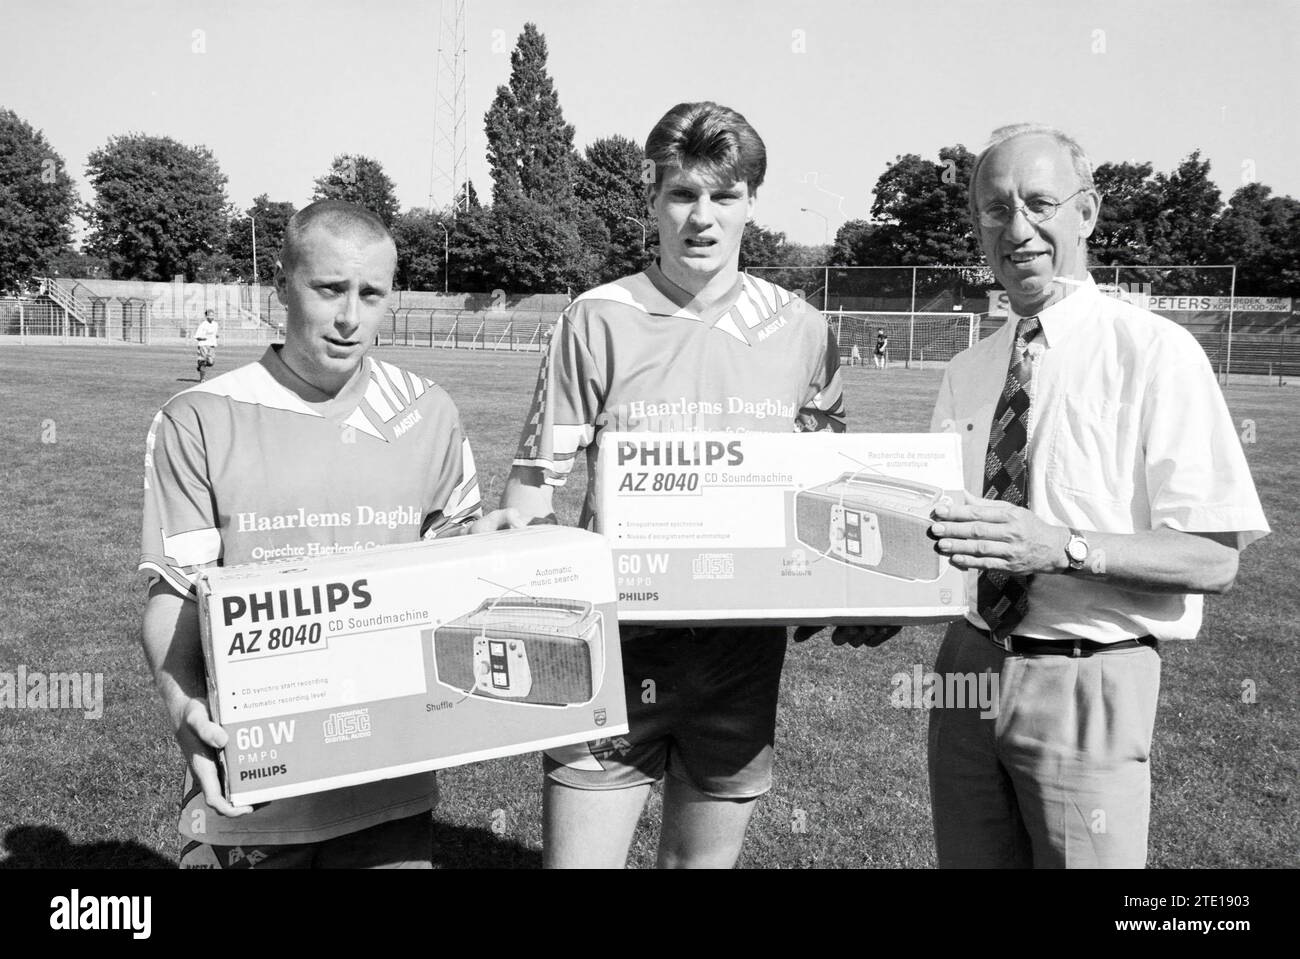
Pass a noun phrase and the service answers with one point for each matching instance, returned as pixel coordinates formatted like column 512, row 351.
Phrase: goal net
column 913, row 339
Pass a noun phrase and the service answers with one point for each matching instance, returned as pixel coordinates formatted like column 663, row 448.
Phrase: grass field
column 851, row 788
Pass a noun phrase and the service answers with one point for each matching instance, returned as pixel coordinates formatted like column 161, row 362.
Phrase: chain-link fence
column 28, row 320
column 522, row 330
column 1239, row 334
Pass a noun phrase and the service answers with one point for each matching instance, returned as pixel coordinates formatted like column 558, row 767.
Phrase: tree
column 761, row 247
column 529, row 146
column 1283, row 229
column 422, row 249
column 160, row 209
column 1261, row 234
column 858, row 243
column 469, row 196
column 923, row 211
column 37, row 201
column 272, row 222
column 1189, row 204
column 539, row 238
column 533, row 249
column 608, row 186
column 1130, row 214
column 473, row 239
column 70, row 263
column 360, row 180
column 609, row 179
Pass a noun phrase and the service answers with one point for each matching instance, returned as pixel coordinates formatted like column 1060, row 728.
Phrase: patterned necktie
column 1003, row 598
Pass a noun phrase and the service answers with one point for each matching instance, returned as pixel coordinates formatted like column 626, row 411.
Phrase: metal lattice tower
column 450, row 171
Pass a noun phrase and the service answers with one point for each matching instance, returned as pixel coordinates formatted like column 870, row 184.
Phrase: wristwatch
column 1076, row 549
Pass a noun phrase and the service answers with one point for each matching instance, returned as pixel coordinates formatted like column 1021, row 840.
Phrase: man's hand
column 509, row 518
column 850, row 635
column 988, row 534
column 200, row 739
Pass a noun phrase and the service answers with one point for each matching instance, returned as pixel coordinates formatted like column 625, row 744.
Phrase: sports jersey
column 205, row 334
column 638, row 355
column 259, row 465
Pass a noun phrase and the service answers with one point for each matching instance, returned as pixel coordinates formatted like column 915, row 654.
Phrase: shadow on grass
column 461, row 847
column 45, row 847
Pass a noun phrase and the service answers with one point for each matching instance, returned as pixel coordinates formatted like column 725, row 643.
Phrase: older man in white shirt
column 1108, row 492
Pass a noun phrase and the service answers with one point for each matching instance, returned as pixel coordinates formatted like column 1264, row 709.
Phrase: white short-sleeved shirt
column 1128, row 433
column 206, row 333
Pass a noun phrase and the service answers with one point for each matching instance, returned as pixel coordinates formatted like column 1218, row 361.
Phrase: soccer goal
column 913, row 339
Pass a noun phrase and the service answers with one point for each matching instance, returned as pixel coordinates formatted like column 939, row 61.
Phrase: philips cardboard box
column 365, row 666
column 781, row 528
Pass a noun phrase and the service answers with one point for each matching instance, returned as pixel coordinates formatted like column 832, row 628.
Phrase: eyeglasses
column 1037, row 210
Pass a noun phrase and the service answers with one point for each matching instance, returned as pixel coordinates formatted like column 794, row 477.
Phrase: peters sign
column 1140, row 294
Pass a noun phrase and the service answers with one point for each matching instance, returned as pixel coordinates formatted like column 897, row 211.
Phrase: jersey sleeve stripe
column 569, row 438
column 561, row 463
column 553, row 473
column 465, row 499
column 182, row 584
column 193, row 547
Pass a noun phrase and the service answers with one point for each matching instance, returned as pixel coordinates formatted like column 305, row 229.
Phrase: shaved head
column 336, row 217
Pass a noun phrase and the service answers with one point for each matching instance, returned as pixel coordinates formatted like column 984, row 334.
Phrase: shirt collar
column 1062, row 318
column 336, row 408
column 686, row 304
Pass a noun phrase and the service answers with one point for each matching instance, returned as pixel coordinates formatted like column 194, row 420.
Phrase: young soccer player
column 314, row 449
column 693, row 335
column 206, row 335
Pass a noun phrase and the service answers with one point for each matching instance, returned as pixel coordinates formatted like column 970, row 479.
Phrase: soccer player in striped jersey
column 315, row 449
column 689, row 344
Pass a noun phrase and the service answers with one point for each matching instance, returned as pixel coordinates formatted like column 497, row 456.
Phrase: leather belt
column 1029, row 646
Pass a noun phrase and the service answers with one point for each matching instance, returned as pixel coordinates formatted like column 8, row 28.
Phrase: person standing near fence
column 882, row 348
column 692, row 334
column 206, row 335
column 1108, row 491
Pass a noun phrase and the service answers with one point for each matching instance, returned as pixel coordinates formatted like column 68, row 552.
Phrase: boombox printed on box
column 531, row 650
column 876, row 523
column 789, row 528
column 354, row 667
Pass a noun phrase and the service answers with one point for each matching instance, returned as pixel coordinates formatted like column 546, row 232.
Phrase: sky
column 836, row 88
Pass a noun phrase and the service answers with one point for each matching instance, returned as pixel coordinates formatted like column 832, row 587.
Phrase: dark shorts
column 398, row 844
column 701, row 706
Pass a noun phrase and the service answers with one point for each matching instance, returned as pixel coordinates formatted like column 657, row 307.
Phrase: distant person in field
column 310, row 426
column 690, row 327
column 855, row 356
column 1108, row 491
column 882, row 349
column 206, row 335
